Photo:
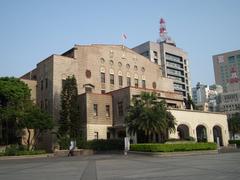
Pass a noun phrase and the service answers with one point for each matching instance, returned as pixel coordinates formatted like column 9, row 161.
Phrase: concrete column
column 210, row 134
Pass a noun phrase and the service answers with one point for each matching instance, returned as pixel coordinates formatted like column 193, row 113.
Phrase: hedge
column 106, row 144
column 237, row 142
column 21, row 153
column 173, row 147
column 16, row 150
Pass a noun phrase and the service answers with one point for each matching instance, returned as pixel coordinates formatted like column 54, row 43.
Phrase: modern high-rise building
column 172, row 60
column 206, row 97
column 227, row 70
column 200, row 94
column 227, row 74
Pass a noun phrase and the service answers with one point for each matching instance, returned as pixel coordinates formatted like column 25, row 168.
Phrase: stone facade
column 32, row 84
column 123, row 96
column 96, row 112
column 215, row 125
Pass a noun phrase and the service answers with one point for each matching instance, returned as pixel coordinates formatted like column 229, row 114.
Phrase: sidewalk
column 26, row 156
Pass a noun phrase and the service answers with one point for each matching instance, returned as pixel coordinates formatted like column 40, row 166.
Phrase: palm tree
column 149, row 115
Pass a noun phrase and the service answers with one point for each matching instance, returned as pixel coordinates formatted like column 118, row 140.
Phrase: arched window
column 111, row 76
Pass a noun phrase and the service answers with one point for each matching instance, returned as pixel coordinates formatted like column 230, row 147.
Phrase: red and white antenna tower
column 163, row 33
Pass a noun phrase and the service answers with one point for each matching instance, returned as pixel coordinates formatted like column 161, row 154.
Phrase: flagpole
column 123, row 41
column 124, row 37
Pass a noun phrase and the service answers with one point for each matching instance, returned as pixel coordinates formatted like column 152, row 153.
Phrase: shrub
column 16, row 150
column 173, row 140
column 237, row 142
column 106, row 145
column 11, row 150
column 81, row 143
column 179, row 142
column 64, row 142
column 190, row 138
column 173, row 147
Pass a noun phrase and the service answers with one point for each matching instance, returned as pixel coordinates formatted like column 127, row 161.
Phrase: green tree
column 36, row 122
column 149, row 115
column 13, row 96
column 70, row 124
column 234, row 124
column 189, row 103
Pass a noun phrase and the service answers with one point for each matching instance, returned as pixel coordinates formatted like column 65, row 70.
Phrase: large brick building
column 107, row 78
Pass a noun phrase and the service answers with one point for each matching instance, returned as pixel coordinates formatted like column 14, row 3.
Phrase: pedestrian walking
column 71, row 148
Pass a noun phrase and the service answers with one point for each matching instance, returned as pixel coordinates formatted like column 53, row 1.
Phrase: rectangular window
column 155, row 61
column 111, row 78
column 143, row 84
column 120, row 108
column 46, row 83
column 172, row 57
column 103, row 91
column 46, row 104
column 128, row 81
column 95, row 109
column 231, row 59
column 41, row 104
column 120, row 80
column 136, row 82
column 155, row 53
column 102, row 77
column 95, row 135
column 107, row 110
column 238, row 57
column 41, row 84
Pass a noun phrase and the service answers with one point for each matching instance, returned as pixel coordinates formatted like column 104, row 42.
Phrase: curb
column 173, row 154
column 26, row 157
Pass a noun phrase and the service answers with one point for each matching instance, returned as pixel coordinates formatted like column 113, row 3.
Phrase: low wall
column 76, row 152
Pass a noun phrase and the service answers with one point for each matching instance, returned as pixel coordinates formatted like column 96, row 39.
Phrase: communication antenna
column 164, row 34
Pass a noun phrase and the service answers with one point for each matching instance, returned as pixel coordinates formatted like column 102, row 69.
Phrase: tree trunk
column 29, row 139
column 149, row 136
column 7, row 132
column 36, row 136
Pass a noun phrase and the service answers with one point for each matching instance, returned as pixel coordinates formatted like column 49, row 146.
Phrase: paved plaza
column 116, row 167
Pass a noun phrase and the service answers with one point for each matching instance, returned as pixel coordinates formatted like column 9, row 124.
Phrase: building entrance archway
column 183, row 131
column 217, row 133
column 201, row 133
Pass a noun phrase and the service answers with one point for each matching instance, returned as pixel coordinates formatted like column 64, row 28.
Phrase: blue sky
column 31, row 30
